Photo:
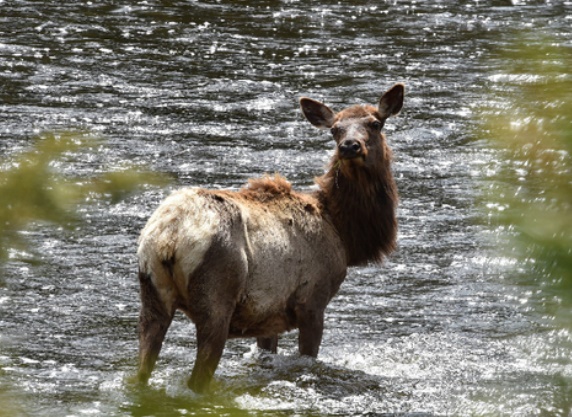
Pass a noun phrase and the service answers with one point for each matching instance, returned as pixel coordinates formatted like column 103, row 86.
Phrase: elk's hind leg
column 154, row 321
column 214, row 290
column 211, row 307
column 268, row 343
column 211, row 339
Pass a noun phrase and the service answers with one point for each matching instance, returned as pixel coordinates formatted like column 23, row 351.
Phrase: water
column 207, row 92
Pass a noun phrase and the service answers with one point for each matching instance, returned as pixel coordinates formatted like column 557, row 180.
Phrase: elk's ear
column 391, row 102
column 317, row 113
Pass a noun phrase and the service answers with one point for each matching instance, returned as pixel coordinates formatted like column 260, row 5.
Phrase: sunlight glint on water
column 208, row 92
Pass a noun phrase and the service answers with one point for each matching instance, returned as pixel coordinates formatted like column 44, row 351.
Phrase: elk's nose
column 349, row 148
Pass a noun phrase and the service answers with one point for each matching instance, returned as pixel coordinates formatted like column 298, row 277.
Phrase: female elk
column 267, row 259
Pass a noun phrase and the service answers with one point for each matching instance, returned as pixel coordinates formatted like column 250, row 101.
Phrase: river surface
column 207, row 92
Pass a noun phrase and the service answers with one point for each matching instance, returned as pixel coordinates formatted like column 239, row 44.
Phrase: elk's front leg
column 311, row 328
column 154, row 321
column 268, row 343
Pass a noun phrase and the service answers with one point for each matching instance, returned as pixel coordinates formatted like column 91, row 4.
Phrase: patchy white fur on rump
column 182, row 228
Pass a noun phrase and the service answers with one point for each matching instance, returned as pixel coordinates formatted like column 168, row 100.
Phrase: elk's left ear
column 317, row 113
column 391, row 102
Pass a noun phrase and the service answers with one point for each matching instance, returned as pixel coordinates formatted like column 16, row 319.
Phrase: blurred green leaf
column 33, row 189
column 529, row 120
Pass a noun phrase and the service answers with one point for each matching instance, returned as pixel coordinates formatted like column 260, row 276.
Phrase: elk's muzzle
column 350, row 148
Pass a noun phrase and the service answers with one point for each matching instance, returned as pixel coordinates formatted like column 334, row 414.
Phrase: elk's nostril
column 355, row 146
column 350, row 144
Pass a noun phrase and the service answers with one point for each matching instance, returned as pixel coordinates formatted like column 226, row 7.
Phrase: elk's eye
column 377, row 125
column 334, row 130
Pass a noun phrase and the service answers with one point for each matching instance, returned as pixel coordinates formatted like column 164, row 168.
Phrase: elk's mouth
column 350, row 154
column 358, row 158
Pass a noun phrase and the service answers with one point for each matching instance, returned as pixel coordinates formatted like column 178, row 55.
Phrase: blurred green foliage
column 33, row 189
column 529, row 119
column 8, row 403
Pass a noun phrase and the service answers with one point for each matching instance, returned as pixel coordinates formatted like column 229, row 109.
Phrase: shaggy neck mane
column 361, row 204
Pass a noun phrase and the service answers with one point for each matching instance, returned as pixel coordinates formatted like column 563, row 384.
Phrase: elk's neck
column 361, row 204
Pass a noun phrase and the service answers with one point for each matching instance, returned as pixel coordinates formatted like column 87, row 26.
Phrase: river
column 207, row 92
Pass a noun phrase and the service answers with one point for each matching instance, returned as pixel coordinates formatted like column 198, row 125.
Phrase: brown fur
column 267, row 259
column 362, row 204
column 267, row 185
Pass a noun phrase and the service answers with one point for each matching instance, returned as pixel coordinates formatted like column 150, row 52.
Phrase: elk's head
column 357, row 129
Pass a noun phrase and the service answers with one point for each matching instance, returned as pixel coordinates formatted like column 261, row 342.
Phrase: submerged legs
column 154, row 321
column 211, row 338
column 311, row 325
column 268, row 343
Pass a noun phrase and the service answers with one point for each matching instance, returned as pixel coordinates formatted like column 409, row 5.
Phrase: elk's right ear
column 317, row 113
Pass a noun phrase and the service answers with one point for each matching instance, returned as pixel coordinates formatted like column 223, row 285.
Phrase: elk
column 266, row 259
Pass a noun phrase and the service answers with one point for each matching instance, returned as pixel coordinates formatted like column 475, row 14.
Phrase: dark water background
column 207, row 92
